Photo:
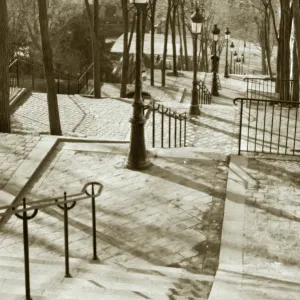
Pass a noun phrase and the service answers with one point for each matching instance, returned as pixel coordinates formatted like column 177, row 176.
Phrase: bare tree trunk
column 173, row 31
column 285, row 35
column 205, row 53
column 95, row 46
column 186, row 57
column 144, row 23
column 54, row 120
column 4, row 72
column 267, row 40
column 163, row 68
column 296, row 14
column 125, row 62
column 180, row 40
column 295, row 96
column 152, row 56
column 96, row 54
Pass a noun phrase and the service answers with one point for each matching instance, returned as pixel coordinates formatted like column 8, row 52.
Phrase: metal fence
column 168, row 126
column 21, row 211
column 204, row 95
column 272, row 89
column 29, row 74
column 13, row 82
column 268, row 127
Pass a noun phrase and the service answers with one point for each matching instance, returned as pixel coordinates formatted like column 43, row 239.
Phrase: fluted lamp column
column 196, row 26
column 235, row 58
column 137, row 157
column 214, row 87
column 227, row 37
column 231, row 53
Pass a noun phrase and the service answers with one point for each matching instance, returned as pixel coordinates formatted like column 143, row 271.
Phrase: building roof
column 158, row 45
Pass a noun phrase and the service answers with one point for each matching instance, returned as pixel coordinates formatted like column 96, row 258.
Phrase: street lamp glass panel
column 138, row 1
column 216, row 32
column 231, row 46
column 196, row 27
column 196, row 21
column 227, row 34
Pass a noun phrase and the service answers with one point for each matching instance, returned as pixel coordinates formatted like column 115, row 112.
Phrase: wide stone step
column 47, row 279
column 147, row 271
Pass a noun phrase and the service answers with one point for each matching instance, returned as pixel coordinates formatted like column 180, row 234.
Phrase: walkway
column 169, row 216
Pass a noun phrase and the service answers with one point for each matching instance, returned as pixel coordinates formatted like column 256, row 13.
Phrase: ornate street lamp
column 238, row 63
column 137, row 158
column 196, row 26
column 231, row 52
column 234, row 58
column 214, row 87
column 227, row 37
column 243, row 60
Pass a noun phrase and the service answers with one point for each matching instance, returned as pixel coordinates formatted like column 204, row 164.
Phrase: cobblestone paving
column 271, row 232
column 105, row 118
column 13, row 150
column 170, row 216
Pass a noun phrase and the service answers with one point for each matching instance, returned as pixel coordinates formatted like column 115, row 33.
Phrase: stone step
column 47, row 278
column 152, row 272
column 73, row 288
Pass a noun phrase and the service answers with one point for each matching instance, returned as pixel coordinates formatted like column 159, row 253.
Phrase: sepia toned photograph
column 149, row 149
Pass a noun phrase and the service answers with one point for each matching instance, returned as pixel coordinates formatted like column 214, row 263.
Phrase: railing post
column 170, row 128
column 180, row 130
column 184, row 131
column 162, row 126
column 66, row 233
column 241, row 124
column 95, row 257
column 25, row 219
column 153, row 124
column 175, row 130
column 26, row 252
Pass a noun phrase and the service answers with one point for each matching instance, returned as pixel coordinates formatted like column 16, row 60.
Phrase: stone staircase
column 98, row 281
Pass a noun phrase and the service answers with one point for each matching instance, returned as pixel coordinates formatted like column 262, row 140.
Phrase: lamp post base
column 194, row 108
column 137, row 158
column 226, row 75
column 214, row 87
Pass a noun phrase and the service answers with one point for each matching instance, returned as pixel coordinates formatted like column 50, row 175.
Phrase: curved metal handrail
column 43, row 203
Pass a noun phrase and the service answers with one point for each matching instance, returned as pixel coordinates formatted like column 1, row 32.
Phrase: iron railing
column 266, row 127
column 13, row 82
column 31, row 75
column 28, row 74
column 174, row 133
column 272, row 89
column 21, row 211
column 204, row 95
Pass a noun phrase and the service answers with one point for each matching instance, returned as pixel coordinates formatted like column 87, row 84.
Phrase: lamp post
column 238, row 64
column 227, row 37
column 234, row 58
column 231, row 52
column 137, row 157
column 243, row 60
column 196, row 25
column 214, row 87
